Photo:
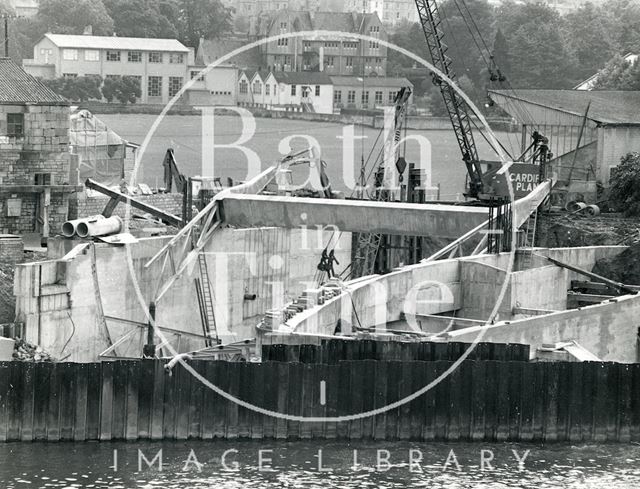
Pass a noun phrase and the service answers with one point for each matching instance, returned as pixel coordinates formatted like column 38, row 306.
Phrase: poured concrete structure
column 465, row 291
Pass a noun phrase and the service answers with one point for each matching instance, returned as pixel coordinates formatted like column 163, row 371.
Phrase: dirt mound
column 623, row 268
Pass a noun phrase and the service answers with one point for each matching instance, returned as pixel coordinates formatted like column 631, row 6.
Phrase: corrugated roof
column 18, row 87
column 607, row 107
column 302, row 77
column 371, row 81
column 113, row 42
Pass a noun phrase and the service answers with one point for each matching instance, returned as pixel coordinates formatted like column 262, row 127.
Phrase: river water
column 278, row 464
column 184, row 135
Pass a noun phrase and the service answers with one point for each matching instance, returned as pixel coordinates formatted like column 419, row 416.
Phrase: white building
column 391, row 12
column 159, row 64
column 287, row 91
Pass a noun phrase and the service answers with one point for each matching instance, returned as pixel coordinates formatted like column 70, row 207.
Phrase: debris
column 26, row 352
column 624, row 268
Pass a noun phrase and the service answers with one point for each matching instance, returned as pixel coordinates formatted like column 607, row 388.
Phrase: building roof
column 113, row 42
column 607, row 107
column 371, row 81
column 589, row 82
column 303, row 77
column 18, row 87
column 212, row 50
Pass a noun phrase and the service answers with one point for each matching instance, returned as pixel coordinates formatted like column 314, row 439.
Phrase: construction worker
column 331, row 260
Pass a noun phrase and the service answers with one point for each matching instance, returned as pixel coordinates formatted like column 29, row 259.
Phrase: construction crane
column 368, row 245
column 308, row 157
column 483, row 184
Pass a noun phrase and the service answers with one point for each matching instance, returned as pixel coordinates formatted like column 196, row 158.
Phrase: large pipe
column 99, row 227
column 69, row 228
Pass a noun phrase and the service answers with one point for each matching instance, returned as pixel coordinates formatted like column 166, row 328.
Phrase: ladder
column 529, row 243
column 205, row 301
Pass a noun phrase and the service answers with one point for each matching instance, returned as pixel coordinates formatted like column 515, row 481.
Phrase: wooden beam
column 590, row 298
column 118, row 197
column 598, row 278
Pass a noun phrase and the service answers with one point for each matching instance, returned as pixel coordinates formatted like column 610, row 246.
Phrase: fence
column 481, row 400
column 334, row 351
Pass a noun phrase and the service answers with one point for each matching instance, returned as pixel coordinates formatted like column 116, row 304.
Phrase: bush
column 77, row 89
column 124, row 89
column 624, row 191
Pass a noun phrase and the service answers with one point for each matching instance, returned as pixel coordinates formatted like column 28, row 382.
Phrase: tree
column 589, row 38
column 624, row 190
column 144, row 18
column 124, row 89
column 77, row 89
column 618, row 74
column 73, row 16
column 208, row 19
column 501, row 55
column 538, row 55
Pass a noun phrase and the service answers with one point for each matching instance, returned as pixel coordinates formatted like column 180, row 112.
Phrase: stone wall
column 83, row 205
column 44, row 148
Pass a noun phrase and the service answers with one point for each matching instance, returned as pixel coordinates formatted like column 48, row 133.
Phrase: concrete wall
column 384, row 298
column 609, row 330
column 59, row 300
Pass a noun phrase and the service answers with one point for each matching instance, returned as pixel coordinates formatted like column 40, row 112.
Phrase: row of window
column 154, row 83
column 351, row 97
column 116, row 56
column 257, row 89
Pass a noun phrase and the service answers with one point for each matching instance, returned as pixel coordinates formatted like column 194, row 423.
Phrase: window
column 317, row 90
column 330, row 61
column 283, row 30
column 378, row 98
column 42, row 179
column 293, row 90
column 337, row 97
column 306, row 46
column 287, row 60
column 91, row 55
column 244, row 87
column 365, row 99
column 70, row 54
column 351, row 97
column 113, row 55
column 196, row 74
column 257, row 88
column 15, row 125
column 154, row 86
column 176, row 58
column 175, row 84
column 112, row 77
column 392, row 97
column 69, row 75
column 46, row 54
column 155, row 57
column 134, row 56
column 267, row 89
column 374, row 31
column 349, row 62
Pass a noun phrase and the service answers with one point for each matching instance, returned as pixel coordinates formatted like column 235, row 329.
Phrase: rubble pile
column 624, row 268
column 26, row 352
column 567, row 230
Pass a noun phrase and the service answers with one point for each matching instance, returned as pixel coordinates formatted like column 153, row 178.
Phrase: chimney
column 88, row 31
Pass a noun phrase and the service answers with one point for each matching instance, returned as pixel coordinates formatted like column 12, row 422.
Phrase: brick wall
column 85, row 206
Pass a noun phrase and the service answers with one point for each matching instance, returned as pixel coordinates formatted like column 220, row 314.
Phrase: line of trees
column 533, row 45
column 185, row 20
column 124, row 89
